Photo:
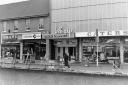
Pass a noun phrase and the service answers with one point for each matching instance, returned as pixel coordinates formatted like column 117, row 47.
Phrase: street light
column 97, row 42
column 15, row 37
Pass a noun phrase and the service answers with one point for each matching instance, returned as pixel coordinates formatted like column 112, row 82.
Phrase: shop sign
column 31, row 36
column 7, row 38
column 102, row 33
column 56, row 36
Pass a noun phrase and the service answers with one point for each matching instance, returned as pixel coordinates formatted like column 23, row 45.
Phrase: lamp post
column 97, row 43
column 15, row 38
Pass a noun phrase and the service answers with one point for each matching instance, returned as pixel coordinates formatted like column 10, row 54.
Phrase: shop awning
column 112, row 41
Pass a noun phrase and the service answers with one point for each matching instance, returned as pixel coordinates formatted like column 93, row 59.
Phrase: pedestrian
column 85, row 61
column 66, row 59
column 28, row 57
column 58, row 60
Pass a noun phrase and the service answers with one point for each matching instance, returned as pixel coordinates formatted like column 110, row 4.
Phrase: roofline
column 25, row 17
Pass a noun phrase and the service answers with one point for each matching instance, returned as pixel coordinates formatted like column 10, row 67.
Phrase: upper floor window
column 27, row 24
column 16, row 26
column 4, row 26
column 41, row 24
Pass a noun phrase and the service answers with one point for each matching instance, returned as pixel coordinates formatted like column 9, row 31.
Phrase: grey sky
column 2, row 2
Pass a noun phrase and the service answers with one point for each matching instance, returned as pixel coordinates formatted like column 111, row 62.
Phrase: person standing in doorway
column 66, row 59
column 28, row 56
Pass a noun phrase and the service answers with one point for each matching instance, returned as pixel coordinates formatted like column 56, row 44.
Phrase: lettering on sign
column 50, row 36
column 10, row 38
column 31, row 36
column 102, row 33
column 34, row 36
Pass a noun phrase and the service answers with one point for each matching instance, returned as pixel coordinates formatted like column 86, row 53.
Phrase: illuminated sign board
column 31, row 35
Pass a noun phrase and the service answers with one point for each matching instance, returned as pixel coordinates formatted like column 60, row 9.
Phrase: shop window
column 27, row 23
column 126, row 54
column 4, row 26
column 91, row 53
column 37, row 49
column 11, row 51
column 112, row 51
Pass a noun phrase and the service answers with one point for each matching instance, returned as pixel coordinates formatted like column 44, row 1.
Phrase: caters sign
column 102, row 33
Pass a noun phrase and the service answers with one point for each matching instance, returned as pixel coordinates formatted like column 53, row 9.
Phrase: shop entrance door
column 126, row 54
column 71, row 51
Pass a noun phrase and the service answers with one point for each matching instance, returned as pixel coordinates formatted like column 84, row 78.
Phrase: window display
column 11, row 51
column 105, row 49
column 37, row 48
column 126, row 54
column 125, row 47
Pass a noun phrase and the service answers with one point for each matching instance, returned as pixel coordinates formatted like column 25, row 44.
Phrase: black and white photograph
column 63, row 42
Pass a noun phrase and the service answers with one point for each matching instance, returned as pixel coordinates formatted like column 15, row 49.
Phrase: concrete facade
column 89, row 15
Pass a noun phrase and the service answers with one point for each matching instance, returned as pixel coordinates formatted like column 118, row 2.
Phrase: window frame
column 4, row 26
column 27, row 25
column 41, row 24
column 16, row 26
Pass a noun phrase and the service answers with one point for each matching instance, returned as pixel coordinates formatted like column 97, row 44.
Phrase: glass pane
column 126, row 54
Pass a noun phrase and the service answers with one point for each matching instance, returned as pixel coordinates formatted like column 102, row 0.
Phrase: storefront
column 34, row 43
column 108, row 48
column 66, row 46
column 10, row 47
column 63, row 43
column 17, row 45
column 112, row 45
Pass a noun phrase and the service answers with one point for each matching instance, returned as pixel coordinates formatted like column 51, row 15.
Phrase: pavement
column 77, row 67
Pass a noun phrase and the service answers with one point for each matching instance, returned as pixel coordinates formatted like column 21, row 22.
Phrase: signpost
column 97, row 42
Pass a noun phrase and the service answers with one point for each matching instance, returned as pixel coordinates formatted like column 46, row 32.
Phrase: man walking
column 66, row 59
